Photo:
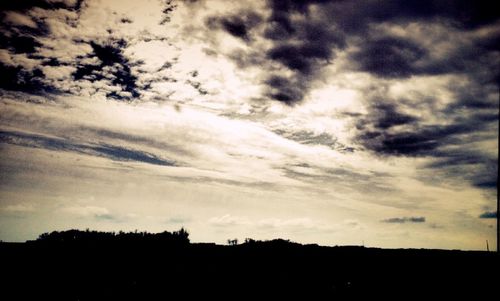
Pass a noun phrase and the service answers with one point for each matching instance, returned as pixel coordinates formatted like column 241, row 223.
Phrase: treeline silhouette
column 77, row 236
column 92, row 265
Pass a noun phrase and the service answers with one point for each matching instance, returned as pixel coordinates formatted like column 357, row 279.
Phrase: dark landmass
column 90, row 265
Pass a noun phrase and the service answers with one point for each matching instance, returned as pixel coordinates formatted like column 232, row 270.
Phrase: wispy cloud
column 19, row 208
column 280, row 225
column 99, row 213
column 101, row 150
column 228, row 220
column 402, row 220
column 178, row 220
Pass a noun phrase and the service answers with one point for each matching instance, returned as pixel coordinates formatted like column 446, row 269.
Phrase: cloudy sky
column 330, row 122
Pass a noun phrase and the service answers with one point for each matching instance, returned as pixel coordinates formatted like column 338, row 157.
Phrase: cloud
column 402, row 220
column 299, row 47
column 238, row 25
column 228, row 220
column 168, row 7
column 19, row 208
column 303, row 37
column 292, row 44
column 24, row 32
column 204, row 145
column 475, row 166
column 112, row 152
column 178, row 220
column 113, row 69
column 426, row 140
column 288, row 90
column 99, row 213
column 311, row 138
column 276, row 224
column 450, row 122
column 69, row 36
column 15, row 78
column 489, row 214
column 389, row 57
column 45, row 4
column 386, row 115
column 17, row 19
column 346, row 179
column 441, row 142
column 295, row 225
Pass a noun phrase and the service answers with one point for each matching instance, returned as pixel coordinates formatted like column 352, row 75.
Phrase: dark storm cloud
column 16, row 40
column 168, row 7
column 20, row 37
column 302, row 46
column 306, row 34
column 26, row 38
column 285, row 89
column 112, row 152
column 478, row 168
column 126, row 20
column 45, row 4
column 446, row 146
column 389, row 57
column 238, row 25
column 450, row 146
column 488, row 214
column 478, row 61
column 110, row 55
column 450, row 143
column 422, row 141
column 385, row 115
column 401, row 58
column 354, row 16
column 315, row 47
column 402, row 220
column 474, row 98
column 19, row 79
column 19, row 42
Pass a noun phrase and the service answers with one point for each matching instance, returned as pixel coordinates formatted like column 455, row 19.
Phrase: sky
column 333, row 122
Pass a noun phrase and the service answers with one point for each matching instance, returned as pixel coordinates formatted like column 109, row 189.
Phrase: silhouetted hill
column 90, row 265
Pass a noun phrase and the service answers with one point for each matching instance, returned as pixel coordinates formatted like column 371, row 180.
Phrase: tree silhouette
column 77, row 236
column 232, row 242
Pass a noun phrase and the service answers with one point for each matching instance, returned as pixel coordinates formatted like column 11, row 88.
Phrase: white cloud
column 19, row 208
column 18, row 60
column 228, row 220
column 58, row 73
column 294, row 225
column 18, row 19
column 87, row 211
column 287, row 226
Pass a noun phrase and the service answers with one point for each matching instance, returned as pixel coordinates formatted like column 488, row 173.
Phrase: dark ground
column 277, row 270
